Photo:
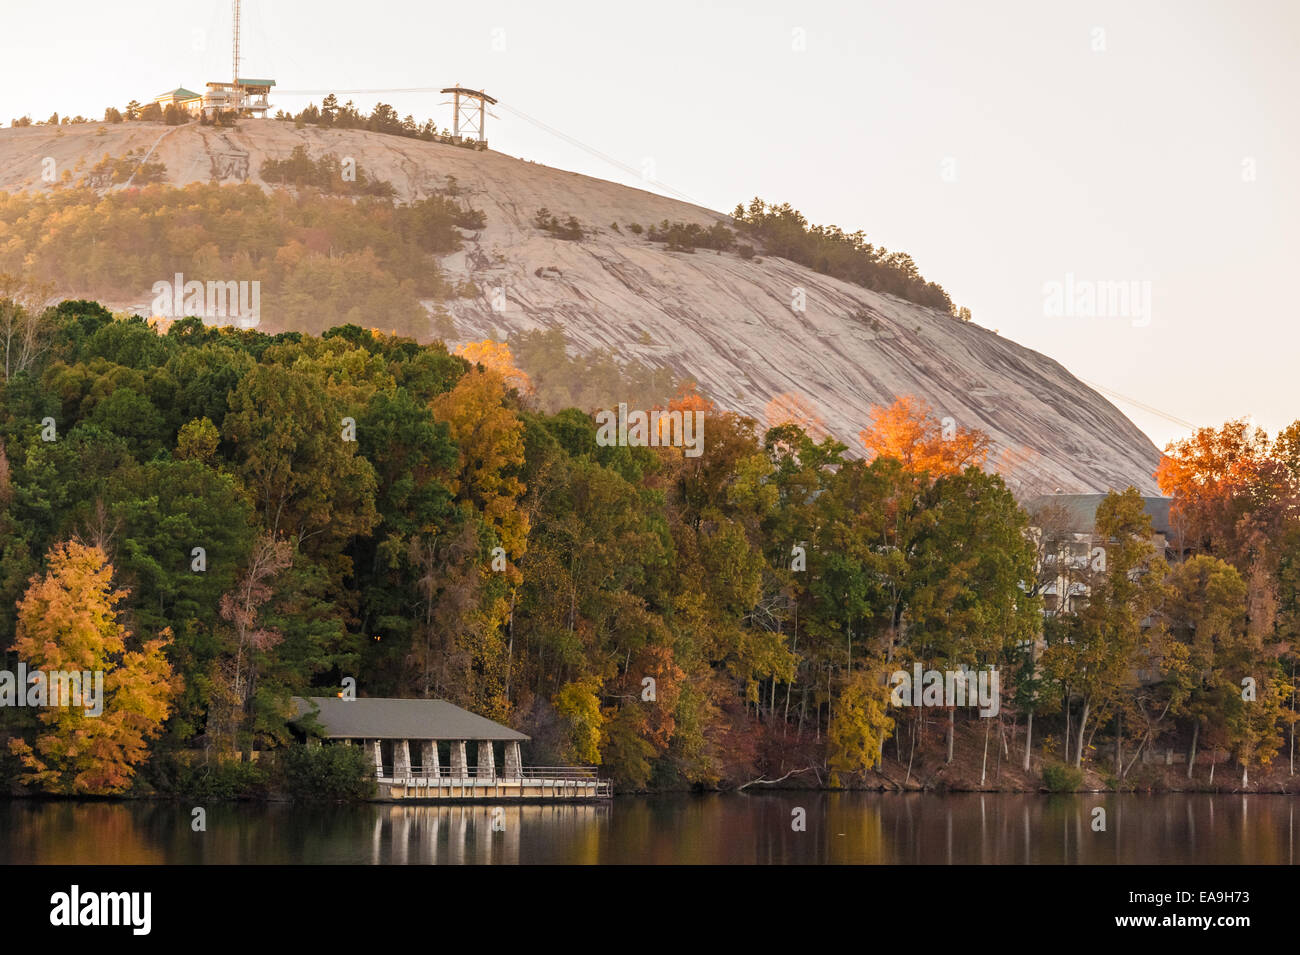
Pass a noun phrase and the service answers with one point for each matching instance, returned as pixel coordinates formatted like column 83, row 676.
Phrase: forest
column 221, row 519
column 324, row 259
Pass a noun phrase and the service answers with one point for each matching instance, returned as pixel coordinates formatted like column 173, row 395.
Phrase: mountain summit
column 723, row 319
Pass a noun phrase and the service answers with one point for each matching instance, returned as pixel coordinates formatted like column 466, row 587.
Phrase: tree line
column 365, row 506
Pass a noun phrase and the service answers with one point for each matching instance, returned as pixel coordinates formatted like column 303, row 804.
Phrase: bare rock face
column 727, row 322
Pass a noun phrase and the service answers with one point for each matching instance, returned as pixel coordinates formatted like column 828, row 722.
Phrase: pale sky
column 1004, row 145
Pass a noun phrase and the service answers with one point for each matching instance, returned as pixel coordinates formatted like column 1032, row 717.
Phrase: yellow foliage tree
column 496, row 356
column 578, row 707
column 859, row 725
column 490, row 437
column 67, row 622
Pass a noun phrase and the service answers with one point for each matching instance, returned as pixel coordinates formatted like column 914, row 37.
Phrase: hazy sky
column 1004, row 145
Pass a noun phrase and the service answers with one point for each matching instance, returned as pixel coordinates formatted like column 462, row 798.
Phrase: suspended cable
column 606, row 158
column 1138, row 404
column 545, row 127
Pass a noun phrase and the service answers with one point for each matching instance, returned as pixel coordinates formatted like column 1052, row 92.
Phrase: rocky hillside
column 718, row 318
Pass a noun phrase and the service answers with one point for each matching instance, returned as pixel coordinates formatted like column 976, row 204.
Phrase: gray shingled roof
column 1082, row 510
column 400, row 719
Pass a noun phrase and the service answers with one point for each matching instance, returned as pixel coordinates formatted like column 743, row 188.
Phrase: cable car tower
column 469, row 108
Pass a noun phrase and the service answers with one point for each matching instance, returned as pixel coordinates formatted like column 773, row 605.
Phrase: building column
column 486, row 760
column 401, row 758
column 459, row 764
column 429, row 758
column 514, row 764
column 379, row 757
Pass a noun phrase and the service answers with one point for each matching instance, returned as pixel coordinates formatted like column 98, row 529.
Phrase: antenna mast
column 235, row 77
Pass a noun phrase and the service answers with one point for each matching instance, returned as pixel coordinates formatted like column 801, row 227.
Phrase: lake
column 851, row 828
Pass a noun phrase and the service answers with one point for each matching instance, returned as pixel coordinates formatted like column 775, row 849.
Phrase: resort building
column 1064, row 530
column 185, row 99
column 242, row 97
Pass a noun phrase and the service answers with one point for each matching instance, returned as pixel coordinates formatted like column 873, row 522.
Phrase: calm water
column 841, row 828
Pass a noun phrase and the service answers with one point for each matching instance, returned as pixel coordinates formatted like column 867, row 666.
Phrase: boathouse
column 421, row 750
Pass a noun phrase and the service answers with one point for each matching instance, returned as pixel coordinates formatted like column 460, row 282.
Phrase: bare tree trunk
column 1136, row 753
column 1004, row 751
column 1029, row 737
column 1083, row 723
column 794, row 649
column 985, row 764
column 912, row 751
column 1119, row 745
column 952, row 730
column 1067, row 724
column 1096, row 725
column 510, row 648
column 1191, row 756
column 829, row 703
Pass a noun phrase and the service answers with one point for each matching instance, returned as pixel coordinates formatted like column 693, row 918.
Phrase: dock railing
column 578, row 777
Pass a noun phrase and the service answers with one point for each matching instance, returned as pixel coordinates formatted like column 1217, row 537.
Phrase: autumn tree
column 909, row 431
column 1094, row 651
column 578, row 707
column 247, row 639
column 68, row 621
column 860, row 725
column 1234, row 496
column 495, row 356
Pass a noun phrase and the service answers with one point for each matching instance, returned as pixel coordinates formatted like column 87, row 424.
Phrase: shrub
column 1060, row 778
column 325, row 174
column 689, row 236
column 328, row 773
column 210, row 779
column 546, row 221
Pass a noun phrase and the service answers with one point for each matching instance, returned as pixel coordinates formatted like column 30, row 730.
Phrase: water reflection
column 850, row 828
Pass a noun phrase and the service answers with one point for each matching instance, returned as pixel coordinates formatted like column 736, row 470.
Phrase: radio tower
column 235, row 77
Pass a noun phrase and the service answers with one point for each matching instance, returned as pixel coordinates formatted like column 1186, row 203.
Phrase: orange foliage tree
column 1230, row 491
column 908, row 431
column 67, row 621
column 1235, row 494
